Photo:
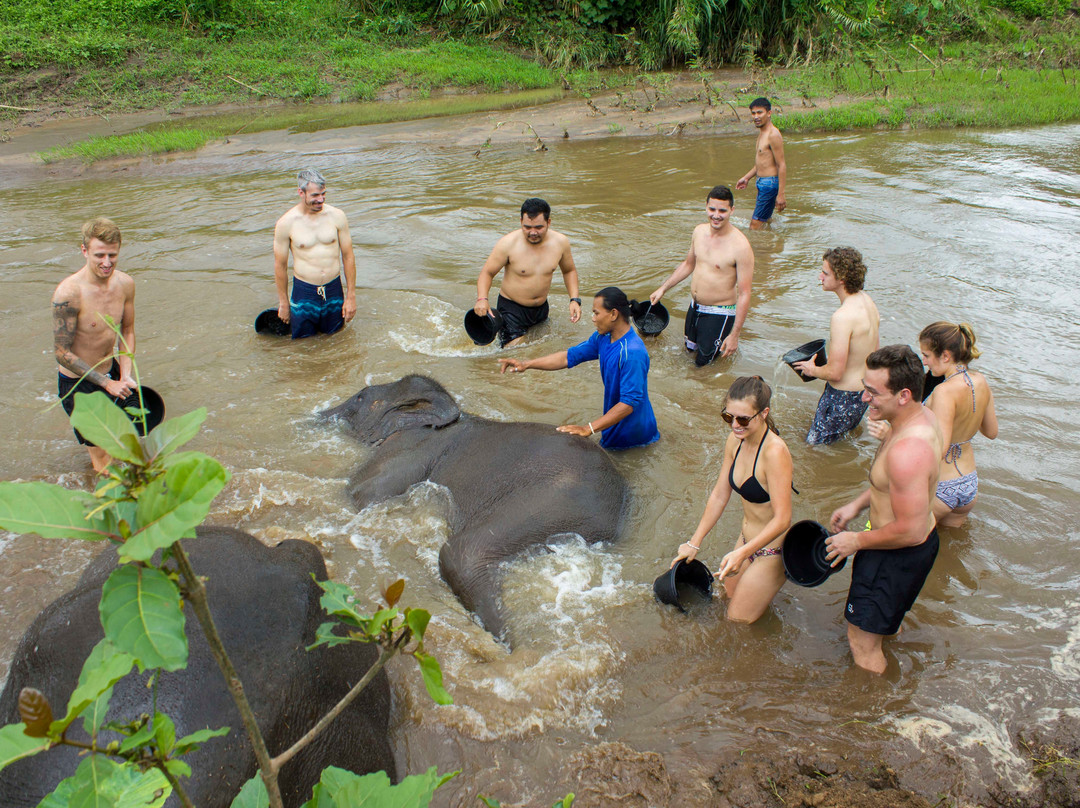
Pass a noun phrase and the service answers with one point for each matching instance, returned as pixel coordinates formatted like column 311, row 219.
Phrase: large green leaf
column 50, row 511
column 16, row 744
column 170, row 435
column 432, row 673
column 343, row 789
column 131, row 788
column 102, row 422
column 90, row 780
column 143, row 615
column 340, row 601
column 172, row 506
column 252, row 795
column 105, row 666
column 103, row 783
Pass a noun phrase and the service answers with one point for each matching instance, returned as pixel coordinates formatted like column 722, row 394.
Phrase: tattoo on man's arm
column 65, row 320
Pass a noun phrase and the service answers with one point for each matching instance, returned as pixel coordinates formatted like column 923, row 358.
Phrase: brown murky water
column 978, row 226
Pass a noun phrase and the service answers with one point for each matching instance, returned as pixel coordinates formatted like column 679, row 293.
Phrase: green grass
column 197, row 132
column 984, row 88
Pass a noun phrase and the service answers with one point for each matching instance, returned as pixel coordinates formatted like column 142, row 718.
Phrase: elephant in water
column 266, row 608
column 513, row 485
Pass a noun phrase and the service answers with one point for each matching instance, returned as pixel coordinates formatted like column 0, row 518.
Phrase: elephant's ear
column 433, row 408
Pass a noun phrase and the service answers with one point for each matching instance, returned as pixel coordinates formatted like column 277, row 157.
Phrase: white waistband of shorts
column 729, row 310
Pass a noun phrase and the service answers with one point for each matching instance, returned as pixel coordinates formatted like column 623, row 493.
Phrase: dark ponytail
column 615, row 299
column 755, row 390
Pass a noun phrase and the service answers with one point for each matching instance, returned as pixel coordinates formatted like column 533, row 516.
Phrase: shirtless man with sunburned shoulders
column 530, row 257
column 770, row 166
column 853, row 335
column 894, row 555
column 721, row 262
column 318, row 236
column 85, row 345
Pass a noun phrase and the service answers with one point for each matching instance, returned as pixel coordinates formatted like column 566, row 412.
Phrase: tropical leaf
column 380, row 619
column 102, row 422
column 339, row 788
column 417, row 620
column 102, row 783
column 143, row 615
column 192, row 742
column 252, row 795
column 50, row 511
column 164, row 732
column 105, row 666
column 392, row 594
column 172, row 506
column 324, row 635
column 432, row 673
column 15, row 744
column 170, row 435
column 340, row 601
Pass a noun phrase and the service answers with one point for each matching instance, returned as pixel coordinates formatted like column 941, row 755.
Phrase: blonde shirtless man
column 317, row 234
column 853, row 336
column 722, row 265
column 770, row 168
column 894, row 555
column 86, row 349
column 530, row 257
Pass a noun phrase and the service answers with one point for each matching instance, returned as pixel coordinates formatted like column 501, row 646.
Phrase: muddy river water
column 965, row 225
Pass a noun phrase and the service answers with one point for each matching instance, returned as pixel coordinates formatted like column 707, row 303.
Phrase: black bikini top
column 751, row 489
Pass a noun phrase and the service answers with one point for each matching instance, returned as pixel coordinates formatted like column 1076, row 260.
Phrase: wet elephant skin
column 513, row 486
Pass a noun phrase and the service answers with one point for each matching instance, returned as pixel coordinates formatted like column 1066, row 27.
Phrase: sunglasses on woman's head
column 741, row 420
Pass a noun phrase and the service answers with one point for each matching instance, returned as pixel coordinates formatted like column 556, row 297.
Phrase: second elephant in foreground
column 514, row 485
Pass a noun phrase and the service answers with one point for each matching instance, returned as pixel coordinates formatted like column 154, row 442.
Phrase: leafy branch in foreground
column 152, row 497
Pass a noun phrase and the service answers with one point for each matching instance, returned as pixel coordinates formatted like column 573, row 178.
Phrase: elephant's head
column 377, row 412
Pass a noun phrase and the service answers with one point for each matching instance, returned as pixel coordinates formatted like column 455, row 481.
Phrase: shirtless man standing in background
column 530, row 256
column 84, row 343
column 770, row 167
column 722, row 264
column 317, row 234
column 853, row 336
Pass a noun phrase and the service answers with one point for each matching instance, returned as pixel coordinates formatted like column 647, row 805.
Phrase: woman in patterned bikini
column 753, row 572
column 964, row 405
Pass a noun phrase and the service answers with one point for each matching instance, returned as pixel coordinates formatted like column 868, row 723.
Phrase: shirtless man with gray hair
column 318, row 237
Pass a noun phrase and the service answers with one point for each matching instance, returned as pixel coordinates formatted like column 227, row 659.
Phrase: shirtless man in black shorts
column 722, row 264
column 530, row 256
column 85, row 346
column 895, row 553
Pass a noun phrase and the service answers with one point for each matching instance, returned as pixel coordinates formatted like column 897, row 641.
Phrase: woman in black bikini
column 753, row 572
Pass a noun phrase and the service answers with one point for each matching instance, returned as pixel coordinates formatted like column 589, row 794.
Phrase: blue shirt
column 624, row 367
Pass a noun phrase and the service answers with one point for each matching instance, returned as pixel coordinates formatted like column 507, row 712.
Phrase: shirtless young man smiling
column 317, row 234
column 722, row 264
column 770, row 166
column 853, row 335
column 530, row 257
column 85, row 345
column 894, row 555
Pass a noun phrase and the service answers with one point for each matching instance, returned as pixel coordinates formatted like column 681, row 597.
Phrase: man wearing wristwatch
column 530, row 257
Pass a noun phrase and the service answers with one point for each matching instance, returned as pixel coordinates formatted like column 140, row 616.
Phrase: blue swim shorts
column 767, row 189
column 315, row 309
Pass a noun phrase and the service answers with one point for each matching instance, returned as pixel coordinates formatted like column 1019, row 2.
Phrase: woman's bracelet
column 481, row 298
column 591, row 430
column 688, row 544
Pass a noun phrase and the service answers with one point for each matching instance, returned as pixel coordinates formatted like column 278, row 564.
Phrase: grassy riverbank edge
column 963, row 83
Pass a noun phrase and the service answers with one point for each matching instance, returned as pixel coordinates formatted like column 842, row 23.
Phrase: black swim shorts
column 517, row 319
column 885, row 583
column 706, row 329
column 67, row 387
